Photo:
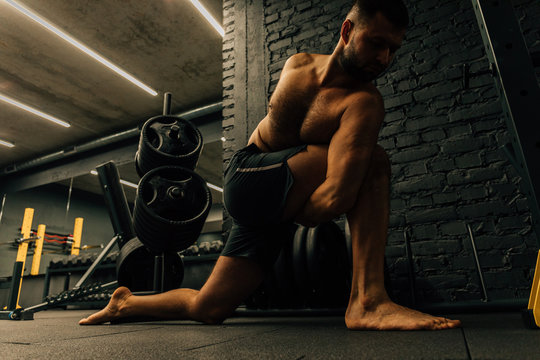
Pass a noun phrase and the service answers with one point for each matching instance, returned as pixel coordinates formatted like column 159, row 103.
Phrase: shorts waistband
column 252, row 148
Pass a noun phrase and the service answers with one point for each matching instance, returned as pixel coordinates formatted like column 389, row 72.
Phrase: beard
column 360, row 72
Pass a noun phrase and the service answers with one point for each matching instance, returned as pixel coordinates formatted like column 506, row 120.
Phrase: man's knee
column 209, row 312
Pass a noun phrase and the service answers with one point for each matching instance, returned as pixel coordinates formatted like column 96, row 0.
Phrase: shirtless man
column 312, row 158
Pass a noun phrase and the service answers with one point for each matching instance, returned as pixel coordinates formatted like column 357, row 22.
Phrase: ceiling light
column 6, row 143
column 33, row 111
column 79, row 46
column 208, row 17
column 212, row 186
column 127, row 183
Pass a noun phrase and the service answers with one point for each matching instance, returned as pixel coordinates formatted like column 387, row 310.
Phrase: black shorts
column 255, row 190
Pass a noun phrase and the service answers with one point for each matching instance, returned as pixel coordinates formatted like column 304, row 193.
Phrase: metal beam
column 518, row 90
column 66, row 168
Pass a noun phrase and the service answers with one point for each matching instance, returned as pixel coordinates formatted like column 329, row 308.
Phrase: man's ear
column 346, row 29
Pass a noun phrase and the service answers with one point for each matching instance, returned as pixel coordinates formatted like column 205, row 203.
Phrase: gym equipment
column 168, row 140
column 116, row 202
column 134, row 265
column 329, row 270
column 410, row 266
column 18, row 266
column 300, row 273
column 171, row 206
column 515, row 80
column 531, row 315
column 285, row 293
column 478, row 267
column 36, row 259
column 62, row 298
column 312, row 270
column 77, row 234
column 125, row 234
column 519, row 92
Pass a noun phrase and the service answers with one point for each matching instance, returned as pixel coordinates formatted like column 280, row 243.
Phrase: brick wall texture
column 444, row 141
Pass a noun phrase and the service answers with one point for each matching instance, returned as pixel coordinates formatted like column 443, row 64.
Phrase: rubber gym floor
column 54, row 334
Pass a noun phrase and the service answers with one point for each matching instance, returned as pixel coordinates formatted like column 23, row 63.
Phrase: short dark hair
column 394, row 10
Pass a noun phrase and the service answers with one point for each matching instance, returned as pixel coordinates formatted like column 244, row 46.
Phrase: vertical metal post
column 116, row 201
column 410, row 263
column 15, row 285
column 478, row 267
column 46, row 284
column 68, row 203
column 66, row 281
column 2, row 208
column 167, row 103
column 77, row 235
column 518, row 90
column 159, row 273
column 36, row 259
column 26, row 230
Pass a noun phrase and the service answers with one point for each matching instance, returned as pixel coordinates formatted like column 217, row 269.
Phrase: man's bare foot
column 112, row 311
column 387, row 315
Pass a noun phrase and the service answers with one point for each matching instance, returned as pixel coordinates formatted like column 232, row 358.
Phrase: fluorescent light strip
column 127, row 183
column 6, row 143
column 33, row 111
column 212, row 186
column 80, row 46
column 208, row 17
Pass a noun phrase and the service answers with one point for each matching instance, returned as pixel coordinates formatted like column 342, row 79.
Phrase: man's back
column 305, row 108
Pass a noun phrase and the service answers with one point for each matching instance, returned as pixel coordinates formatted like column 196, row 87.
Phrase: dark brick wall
column 443, row 139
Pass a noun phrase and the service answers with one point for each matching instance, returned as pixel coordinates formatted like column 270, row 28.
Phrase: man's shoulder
column 301, row 60
column 366, row 94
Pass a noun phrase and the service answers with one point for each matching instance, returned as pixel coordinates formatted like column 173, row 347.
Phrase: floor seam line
column 466, row 344
column 229, row 340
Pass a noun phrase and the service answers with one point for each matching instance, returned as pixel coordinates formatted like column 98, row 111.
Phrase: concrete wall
column 443, row 139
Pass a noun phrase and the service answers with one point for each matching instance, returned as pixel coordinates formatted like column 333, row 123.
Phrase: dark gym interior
column 87, row 92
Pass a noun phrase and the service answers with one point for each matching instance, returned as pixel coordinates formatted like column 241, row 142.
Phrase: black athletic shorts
column 255, row 189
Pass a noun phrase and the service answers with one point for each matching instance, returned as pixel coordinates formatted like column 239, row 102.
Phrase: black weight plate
column 286, row 292
column 300, row 273
column 168, row 140
column 172, row 137
column 342, row 267
column 135, row 268
column 166, row 222
column 327, row 263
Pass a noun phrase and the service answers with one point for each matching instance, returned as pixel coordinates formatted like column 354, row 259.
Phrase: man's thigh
column 309, row 171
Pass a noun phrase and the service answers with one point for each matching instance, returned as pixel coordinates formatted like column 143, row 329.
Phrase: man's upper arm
column 350, row 149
